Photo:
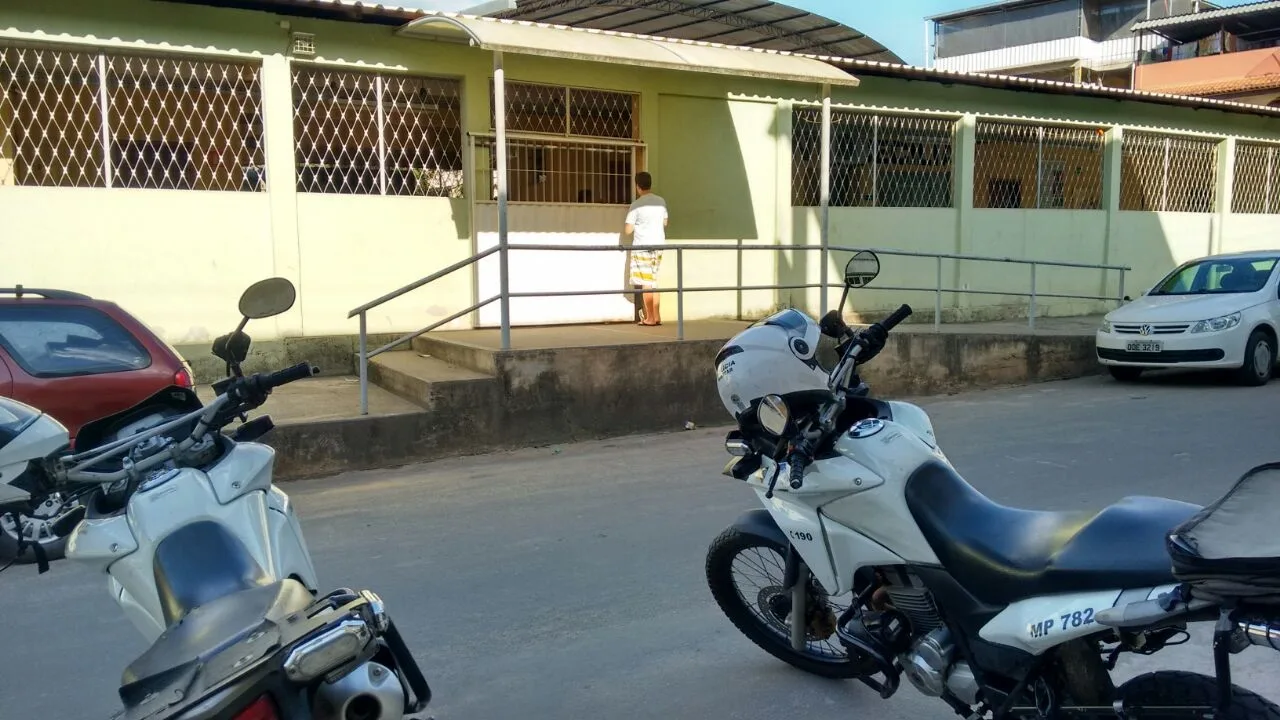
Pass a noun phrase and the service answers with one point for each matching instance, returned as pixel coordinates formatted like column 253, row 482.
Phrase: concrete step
column 474, row 357
column 432, row 383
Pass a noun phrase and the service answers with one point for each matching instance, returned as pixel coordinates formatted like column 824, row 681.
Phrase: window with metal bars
column 1256, row 182
column 1021, row 165
column 1167, row 173
column 368, row 133
column 593, row 159
column 876, row 160
column 80, row 118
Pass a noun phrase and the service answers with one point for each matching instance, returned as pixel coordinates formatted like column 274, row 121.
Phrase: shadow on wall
column 705, row 174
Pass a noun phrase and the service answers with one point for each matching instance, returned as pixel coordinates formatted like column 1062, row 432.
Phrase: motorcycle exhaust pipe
column 369, row 692
column 1262, row 633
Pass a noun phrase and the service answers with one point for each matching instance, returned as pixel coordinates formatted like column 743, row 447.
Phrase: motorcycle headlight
column 1106, row 326
column 1218, row 324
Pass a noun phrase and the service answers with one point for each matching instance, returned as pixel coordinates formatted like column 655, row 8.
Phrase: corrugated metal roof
column 861, row 67
column 1235, row 86
column 1206, row 15
column 1011, row 82
column 985, row 8
column 529, row 38
column 750, row 23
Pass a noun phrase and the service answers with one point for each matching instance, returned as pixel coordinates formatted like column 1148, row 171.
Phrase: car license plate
column 1144, row 346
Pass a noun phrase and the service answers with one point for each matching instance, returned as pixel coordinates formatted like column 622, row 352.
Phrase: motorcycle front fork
column 795, row 579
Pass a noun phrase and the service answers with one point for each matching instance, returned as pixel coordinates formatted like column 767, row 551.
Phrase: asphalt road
column 567, row 582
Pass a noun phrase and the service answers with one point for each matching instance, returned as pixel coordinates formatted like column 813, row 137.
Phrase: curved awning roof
column 529, row 38
column 749, row 23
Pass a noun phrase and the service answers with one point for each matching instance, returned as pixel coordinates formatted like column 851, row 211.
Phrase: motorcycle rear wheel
column 758, row 617
column 1175, row 688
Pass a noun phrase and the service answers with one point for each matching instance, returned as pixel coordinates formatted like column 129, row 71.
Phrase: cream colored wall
column 355, row 248
column 178, row 260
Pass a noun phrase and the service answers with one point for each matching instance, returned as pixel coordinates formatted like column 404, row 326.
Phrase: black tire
column 1250, row 373
column 1124, row 373
column 719, row 568
column 1175, row 688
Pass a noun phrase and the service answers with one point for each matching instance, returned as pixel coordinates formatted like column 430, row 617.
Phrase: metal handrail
column 419, row 283
column 938, row 290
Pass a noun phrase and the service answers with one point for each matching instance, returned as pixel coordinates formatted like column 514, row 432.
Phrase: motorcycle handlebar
column 301, row 371
column 244, row 391
column 902, row 313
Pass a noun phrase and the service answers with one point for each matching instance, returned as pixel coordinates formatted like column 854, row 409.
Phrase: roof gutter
column 1025, row 84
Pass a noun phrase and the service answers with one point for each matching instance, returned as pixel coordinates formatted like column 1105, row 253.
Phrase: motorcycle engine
column 931, row 667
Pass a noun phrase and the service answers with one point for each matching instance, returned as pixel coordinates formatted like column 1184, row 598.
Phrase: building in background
column 1227, row 53
column 352, row 149
column 1080, row 41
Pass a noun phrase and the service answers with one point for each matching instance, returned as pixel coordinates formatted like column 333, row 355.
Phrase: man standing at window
column 647, row 224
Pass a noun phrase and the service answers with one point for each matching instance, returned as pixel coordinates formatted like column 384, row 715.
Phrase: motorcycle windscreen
column 173, row 401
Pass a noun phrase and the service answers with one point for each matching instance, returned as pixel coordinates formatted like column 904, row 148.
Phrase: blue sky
column 897, row 24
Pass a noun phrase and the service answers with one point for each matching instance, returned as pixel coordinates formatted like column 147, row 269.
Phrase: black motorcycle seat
column 1002, row 555
column 207, row 630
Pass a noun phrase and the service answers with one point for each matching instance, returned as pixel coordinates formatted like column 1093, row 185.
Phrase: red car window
column 51, row 341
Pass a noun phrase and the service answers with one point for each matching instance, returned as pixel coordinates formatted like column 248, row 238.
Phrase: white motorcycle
column 999, row 612
column 206, row 557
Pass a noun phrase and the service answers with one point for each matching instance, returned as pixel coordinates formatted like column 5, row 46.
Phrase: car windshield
column 1217, row 276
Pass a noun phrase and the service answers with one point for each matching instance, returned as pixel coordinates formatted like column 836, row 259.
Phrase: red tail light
column 262, row 709
column 182, row 378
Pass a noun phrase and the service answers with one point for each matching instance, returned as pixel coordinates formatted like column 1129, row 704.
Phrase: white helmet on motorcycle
column 782, row 354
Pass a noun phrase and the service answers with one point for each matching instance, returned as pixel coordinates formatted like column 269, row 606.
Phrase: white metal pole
column 104, row 107
column 378, row 89
column 500, row 121
column 826, row 195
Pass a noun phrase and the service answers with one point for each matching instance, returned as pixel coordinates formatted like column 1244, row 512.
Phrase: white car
column 1218, row 312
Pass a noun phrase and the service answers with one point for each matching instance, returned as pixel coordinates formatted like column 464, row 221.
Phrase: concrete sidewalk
column 456, row 393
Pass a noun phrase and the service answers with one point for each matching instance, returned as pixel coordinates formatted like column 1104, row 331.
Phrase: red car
column 79, row 358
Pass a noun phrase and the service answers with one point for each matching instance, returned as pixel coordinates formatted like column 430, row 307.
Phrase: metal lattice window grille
column 1019, row 165
column 1256, row 186
column 1164, row 173
column 569, row 111
column 561, row 171
column 876, row 160
column 73, row 118
column 365, row 133
column 593, row 159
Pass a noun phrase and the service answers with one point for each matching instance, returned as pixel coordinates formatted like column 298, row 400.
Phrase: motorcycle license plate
column 1144, row 346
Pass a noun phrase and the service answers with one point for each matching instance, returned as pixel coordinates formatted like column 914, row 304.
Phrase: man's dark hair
column 644, row 181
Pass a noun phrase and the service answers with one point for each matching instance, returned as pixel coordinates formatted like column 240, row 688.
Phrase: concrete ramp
column 456, row 393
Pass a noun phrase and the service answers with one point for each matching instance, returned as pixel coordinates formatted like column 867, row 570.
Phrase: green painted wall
column 719, row 148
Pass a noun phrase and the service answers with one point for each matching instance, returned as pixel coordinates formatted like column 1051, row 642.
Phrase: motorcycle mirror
column 773, row 414
column 267, row 298
column 861, row 269
column 232, row 348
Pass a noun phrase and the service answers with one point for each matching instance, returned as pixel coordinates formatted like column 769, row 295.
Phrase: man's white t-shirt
column 647, row 216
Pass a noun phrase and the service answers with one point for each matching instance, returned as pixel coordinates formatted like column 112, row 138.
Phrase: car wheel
column 1125, row 374
column 1259, row 360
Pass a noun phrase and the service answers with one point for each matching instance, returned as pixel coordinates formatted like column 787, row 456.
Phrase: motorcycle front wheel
column 745, row 575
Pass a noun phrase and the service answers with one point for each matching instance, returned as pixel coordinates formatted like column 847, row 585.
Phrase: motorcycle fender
column 798, row 526
column 759, row 524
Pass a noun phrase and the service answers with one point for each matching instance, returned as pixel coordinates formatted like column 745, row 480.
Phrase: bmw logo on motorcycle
column 866, row 428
